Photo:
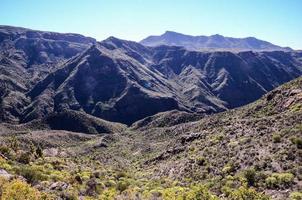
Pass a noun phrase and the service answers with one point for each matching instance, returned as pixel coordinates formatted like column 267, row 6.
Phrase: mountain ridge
column 143, row 80
column 211, row 43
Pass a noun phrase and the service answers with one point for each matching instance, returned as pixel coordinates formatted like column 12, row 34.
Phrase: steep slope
column 226, row 75
column 106, row 83
column 263, row 138
column 124, row 81
column 211, row 43
column 253, row 152
column 27, row 56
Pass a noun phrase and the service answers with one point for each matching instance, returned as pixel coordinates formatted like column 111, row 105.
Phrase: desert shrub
column 110, row 183
column 24, row 158
column 298, row 142
column 279, row 180
column 276, row 138
column 32, row 175
column 271, row 182
column 199, row 192
column 19, row 190
column 250, row 175
column 4, row 164
column 122, row 185
column 296, row 196
column 39, row 151
column 108, row 194
column 201, row 161
column 5, row 150
column 173, row 193
column 121, row 174
column 14, row 143
column 244, row 193
column 194, row 192
column 229, row 168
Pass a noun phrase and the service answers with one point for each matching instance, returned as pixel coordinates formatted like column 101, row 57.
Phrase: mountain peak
column 171, row 33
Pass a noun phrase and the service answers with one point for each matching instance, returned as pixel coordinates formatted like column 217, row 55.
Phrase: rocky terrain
column 81, row 119
column 211, row 43
column 124, row 81
column 253, row 152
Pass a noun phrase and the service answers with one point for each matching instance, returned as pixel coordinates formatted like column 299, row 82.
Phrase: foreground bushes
column 279, row 180
column 296, row 196
column 244, row 193
column 19, row 190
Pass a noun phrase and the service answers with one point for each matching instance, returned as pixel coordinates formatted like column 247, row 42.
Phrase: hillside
column 253, row 152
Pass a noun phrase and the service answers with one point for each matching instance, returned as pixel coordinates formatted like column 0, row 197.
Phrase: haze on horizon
column 276, row 21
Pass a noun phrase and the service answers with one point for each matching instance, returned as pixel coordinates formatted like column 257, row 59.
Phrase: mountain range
column 211, row 43
column 124, row 81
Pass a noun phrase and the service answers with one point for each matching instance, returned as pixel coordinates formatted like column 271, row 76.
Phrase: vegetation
column 244, row 154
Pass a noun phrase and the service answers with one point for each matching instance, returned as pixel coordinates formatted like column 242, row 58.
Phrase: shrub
column 4, row 164
column 296, row 196
column 108, row 194
column 121, row 174
column 14, row 143
column 271, row 182
column 6, row 151
column 199, row 192
column 39, row 152
column 200, row 161
column 276, row 138
column 244, row 193
column 279, row 180
column 250, row 175
column 122, row 185
column 19, row 190
column 297, row 141
column 229, row 168
column 24, row 158
column 32, row 175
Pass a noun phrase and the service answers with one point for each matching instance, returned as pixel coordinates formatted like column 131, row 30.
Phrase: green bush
column 276, row 138
column 296, row 196
column 244, row 193
column 19, row 190
column 32, row 175
column 299, row 143
column 279, row 180
column 122, row 185
column 24, row 158
column 4, row 150
column 250, row 175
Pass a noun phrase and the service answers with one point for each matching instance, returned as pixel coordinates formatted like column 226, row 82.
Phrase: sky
column 276, row 21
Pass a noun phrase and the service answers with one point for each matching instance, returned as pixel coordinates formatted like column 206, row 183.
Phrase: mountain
column 26, row 57
column 211, row 43
column 253, row 152
column 61, row 96
column 124, row 81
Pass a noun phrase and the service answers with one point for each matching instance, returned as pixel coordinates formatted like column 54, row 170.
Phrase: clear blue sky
column 277, row 21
